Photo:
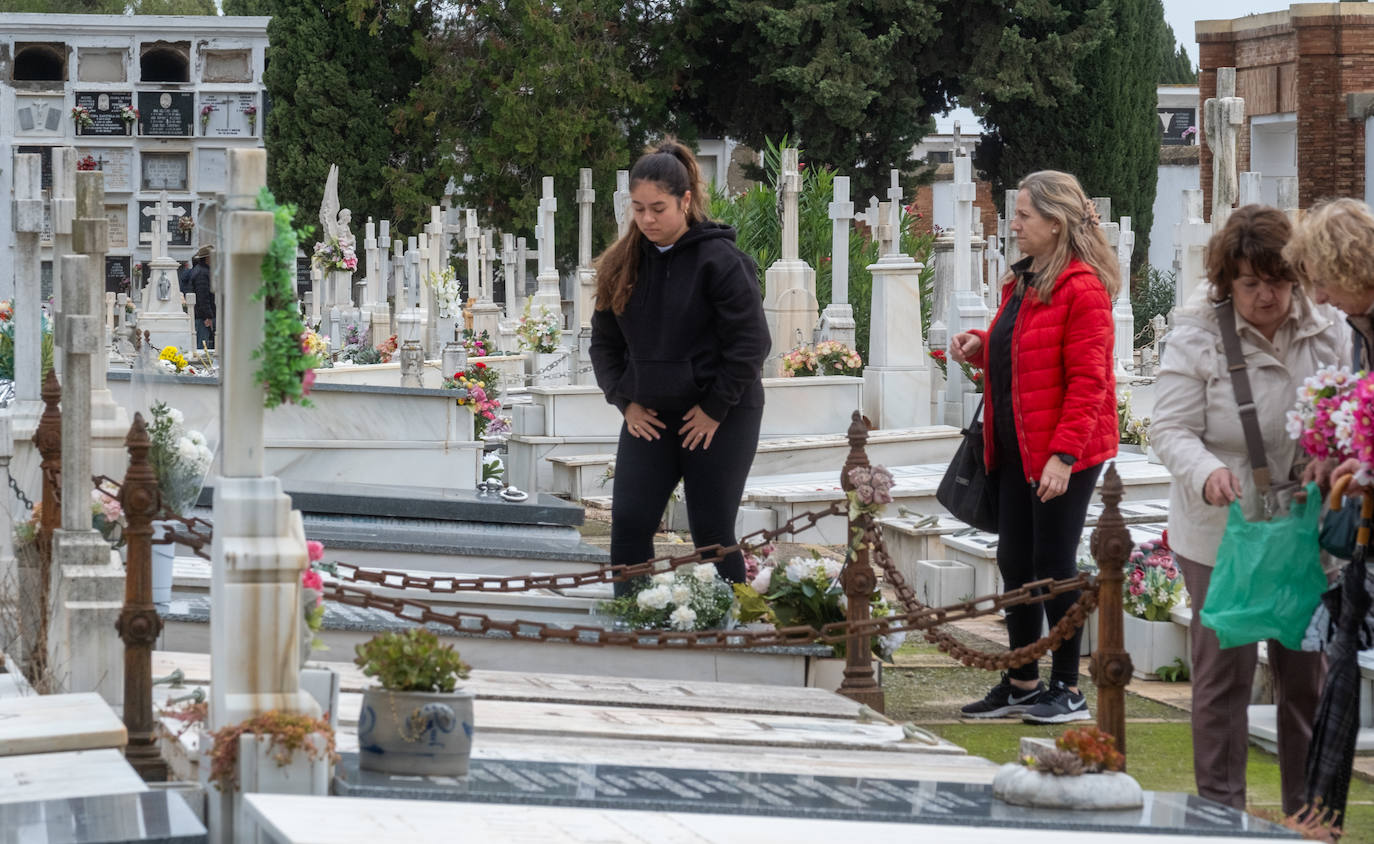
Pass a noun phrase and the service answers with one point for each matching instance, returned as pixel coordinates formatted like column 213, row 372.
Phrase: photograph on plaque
column 117, row 269
column 46, row 154
column 180, row 227
column 228, row 115
column 118, row 215
column 164, row 170
column 166, row 113
column 38, row 115
column 106, row 113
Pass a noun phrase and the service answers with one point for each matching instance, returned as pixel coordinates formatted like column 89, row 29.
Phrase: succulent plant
column 412, row 661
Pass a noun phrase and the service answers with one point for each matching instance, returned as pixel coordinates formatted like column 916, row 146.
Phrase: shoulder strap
column 1245, row 400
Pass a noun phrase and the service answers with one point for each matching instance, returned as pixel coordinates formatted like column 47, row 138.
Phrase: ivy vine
column 285, row 369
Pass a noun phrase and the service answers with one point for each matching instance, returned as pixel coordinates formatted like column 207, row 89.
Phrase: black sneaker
column 1057, row 705
column 1004, row 699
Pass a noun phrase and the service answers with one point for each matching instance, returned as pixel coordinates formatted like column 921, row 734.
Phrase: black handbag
column 965, row 490
column 1337, row 536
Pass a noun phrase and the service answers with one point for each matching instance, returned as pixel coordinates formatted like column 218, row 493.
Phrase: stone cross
column 1251, row 186
column 1013, row 247
column 966, row 307
column 1288, row 196
column 508, row 271
column 372, row 255
column 620, row 200
column 473, row 233
column 894, row 211
column 522, row 266
column 381, row 288
column 1122, row 314
column 964, row 193
column 28, row 227
column 549, row 296
column 488, row 271
column 1190, row 241
column 161, row 214
column 1224, row 115
column 63, row 216
column 438, row 243
column 414, row 284
column 841, row 215
column 398, row 262
column 789, row 183
column 585, row 297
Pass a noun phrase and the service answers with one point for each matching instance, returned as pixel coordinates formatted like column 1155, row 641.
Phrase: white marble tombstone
column 28, row 227
column 1251, row 183
column 1190, row 243
column 789, row 301
column 897, row 379
column 161, row 313
column 548, row 296
column 63, row 215
column 1224, row 117
column 585, row 299
column 1123, row 316
column 967, row 308
column 1288, row 197
column 486, row 314
column 837, row 321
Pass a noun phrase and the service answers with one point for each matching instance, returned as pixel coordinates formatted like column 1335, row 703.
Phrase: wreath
column 286, row 370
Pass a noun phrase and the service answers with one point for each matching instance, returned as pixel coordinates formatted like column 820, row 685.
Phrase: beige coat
column 1196, row 427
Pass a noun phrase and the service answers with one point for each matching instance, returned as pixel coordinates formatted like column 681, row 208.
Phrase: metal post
column 859, row 583
column 139, row 623
column 48, row 440
column 1111, row 664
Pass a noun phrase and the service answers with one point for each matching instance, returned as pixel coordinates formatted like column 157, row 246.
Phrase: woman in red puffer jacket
column 1050, row 399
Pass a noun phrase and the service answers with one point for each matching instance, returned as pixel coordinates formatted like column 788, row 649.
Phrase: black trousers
column 1036, row 541
column 647, row 471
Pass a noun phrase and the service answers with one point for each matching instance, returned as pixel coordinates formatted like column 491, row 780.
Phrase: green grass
column 1159, row 744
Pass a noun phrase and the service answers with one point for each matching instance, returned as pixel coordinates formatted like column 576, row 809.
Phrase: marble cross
column 1224, row 115
column 161, row 214
column 620, row 200
column 790, row 185
column 841, row 213
column 586, row 197
column 894, row 210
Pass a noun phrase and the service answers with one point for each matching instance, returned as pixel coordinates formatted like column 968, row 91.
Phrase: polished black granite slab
column 150, row 817
column 789, row 795
column 403, row 502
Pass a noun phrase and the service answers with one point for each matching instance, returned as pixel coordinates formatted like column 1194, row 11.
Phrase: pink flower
column 310, row 579
column 315, row 550
column 307, row 381
column 1137, row 588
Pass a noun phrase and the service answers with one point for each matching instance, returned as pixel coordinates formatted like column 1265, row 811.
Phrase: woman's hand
column 1221, row 488
column 643, row 422
column 964, row 345
column 1054, row 480
column 1347, row 467
column 699, row 430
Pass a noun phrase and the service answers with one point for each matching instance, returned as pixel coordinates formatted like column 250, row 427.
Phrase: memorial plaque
column 176, row 235
column 39, row 115
column 164, row 171
column 117, row 271
column 788, row 795
column 212, row 170
column 166, row 113
column 105, row 108
column 118, row 215
column 302, row 271
column 44, row 153
column 115, row 162
column 45, row 281
column 1173, row 122
column 229, row 115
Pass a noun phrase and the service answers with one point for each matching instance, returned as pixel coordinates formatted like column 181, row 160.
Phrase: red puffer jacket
column 1062, row 383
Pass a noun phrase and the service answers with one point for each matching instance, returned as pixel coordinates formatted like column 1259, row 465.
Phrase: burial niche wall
column 227, row 66
column 162, row 61
column 40, row 62
column 101, row 64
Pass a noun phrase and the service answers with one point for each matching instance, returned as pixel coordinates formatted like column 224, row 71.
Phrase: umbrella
column 1331, row 755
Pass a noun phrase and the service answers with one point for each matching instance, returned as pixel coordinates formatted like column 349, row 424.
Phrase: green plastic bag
column 1268, row 578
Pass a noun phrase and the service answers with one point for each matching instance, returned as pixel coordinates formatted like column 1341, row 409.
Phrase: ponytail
column 672, row 167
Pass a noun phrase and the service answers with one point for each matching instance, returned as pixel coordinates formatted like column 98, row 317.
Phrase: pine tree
column 1175, row 66
column 1102, row 127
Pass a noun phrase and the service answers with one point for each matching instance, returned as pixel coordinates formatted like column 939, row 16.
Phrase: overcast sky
column 1181, row 14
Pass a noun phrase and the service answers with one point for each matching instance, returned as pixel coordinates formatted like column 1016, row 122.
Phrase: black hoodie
column 692, row 333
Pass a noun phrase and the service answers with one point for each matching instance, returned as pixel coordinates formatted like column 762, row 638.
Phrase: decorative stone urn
column 424, row 733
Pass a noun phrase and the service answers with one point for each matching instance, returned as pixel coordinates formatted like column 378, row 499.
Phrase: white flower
column 763, row 581
column 798, row 568
column 683, row 618
column 203, row 457
column 682, row 594
column 831, row 567
column 843, row 601
column 654, row 599
column 664, row 578
column 166, row 366
column 706, row 572
column 175, row 415
column 196, row 437
column 187, row 450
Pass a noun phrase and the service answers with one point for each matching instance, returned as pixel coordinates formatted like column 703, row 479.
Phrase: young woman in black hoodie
column 678, row 343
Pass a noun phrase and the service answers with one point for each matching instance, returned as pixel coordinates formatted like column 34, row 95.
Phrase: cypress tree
column 1175, row 67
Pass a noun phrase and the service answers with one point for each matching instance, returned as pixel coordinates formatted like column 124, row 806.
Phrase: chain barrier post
column 1111, row 664
column 859, row 582
column 37, row 598
column 139, row 623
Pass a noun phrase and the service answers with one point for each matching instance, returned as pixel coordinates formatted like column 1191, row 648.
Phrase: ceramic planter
column 425, row 733
column 1153, row 644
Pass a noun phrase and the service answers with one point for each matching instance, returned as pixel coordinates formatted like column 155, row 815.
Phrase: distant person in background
column 199, row 280
column 184, row 277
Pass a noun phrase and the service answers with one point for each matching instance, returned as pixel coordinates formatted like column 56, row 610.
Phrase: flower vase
column 1153, row 645
column 164, row 558
column 551, row 369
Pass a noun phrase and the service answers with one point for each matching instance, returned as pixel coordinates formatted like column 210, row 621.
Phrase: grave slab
column 809, row 796
column 50, row 723
column 297, row 820
column 81, row 773
column 150, row 817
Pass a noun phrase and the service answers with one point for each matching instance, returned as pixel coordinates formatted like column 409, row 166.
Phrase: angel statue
column 344, row 234
column 329, row 206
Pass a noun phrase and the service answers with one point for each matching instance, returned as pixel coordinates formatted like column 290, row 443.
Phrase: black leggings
column 646, row 471
column 1036, row 541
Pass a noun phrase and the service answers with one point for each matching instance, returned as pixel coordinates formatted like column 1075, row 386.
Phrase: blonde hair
column 1059, row 197
column 1334, row 244
column 672, row 167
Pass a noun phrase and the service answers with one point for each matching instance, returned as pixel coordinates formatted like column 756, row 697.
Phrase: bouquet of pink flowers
column 1155, row 585
column 1334, row 418
column 312, row 585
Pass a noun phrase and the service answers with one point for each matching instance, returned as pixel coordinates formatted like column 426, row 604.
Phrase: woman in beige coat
column 1197, row 433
